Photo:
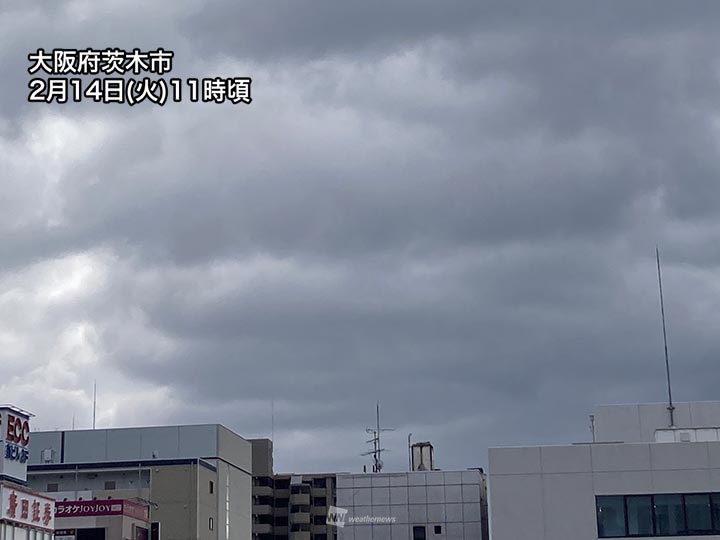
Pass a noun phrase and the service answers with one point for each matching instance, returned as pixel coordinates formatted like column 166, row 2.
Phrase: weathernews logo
column 338, row 516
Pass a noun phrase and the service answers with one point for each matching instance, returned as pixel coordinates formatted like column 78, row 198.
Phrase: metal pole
column 409, row 452
column 671, row 408
column 94, row 401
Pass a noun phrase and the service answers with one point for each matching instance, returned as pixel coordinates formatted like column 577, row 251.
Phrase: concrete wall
column 452, row 500
column 638, row 423
column 175, row 490
column 233, row 499
column 262, row 457
column 548, row 493
column 129, row 444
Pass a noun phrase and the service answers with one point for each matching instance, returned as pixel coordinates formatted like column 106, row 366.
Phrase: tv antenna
column 377, row 450
column 671, row 408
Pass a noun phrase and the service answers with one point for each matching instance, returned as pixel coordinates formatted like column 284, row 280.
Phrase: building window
column 675, row 514
column 52, row 488
column 263, row 481
column 319, row 482
column 438, row 529
column 669, row 515
column 211, row 524
column 109, row 485
column 611, row 516
column 282, row 483
column 419, row 533
column 212, row 487
column 639, row 515
column 699, row 514
column 320, row 537
column 715, row 500
column 320, row 501
column 282, row 503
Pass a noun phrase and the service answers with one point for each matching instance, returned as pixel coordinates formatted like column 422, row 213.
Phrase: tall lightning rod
column 671, row 408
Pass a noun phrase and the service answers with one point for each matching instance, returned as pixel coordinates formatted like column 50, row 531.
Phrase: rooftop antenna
column 671, row 408
column 94, row 402
column 377, row 448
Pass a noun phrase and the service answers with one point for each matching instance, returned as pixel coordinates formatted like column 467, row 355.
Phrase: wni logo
column 336, row 516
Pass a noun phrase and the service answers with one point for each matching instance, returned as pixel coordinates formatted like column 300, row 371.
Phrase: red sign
column 110, row 507
column 18, row 430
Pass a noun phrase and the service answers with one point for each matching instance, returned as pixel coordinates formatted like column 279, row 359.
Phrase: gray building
column 641, row 477
column 415, row 505
column 196, row 478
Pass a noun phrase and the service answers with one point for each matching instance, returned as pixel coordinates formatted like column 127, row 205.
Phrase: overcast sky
column 450, row 207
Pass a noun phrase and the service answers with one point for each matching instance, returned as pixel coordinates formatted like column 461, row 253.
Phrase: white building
column 416, row 505
column 639, row 478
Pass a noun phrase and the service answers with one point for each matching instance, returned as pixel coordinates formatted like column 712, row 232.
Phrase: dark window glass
column 419, row 533
column 611, row 516
column 263, row 481
column 320, row 501
column 211, row 487
column 320, row 537
column 699, row 517
column 669, row 514
column 282, row 503
column 319, row 482
column 319, row 520
column 281, row 521
column 716, row 511
column 438, row 529
column 639, row 515
column 282, row 483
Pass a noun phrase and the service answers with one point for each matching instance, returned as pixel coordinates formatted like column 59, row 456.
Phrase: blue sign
column 15, row 453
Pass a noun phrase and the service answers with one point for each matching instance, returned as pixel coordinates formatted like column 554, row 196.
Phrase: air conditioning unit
column 47, row 455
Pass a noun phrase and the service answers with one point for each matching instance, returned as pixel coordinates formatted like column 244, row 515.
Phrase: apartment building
column 289, row 506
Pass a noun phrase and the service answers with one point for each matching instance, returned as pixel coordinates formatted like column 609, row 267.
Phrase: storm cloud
column 451, row 208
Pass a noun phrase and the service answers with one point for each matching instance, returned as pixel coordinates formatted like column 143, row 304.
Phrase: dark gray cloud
column 448, row 207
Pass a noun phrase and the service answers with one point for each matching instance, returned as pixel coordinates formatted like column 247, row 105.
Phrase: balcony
column 262, row 528
column 262, row 509
column 300, row 498
column 300, row 518
column 262, row 491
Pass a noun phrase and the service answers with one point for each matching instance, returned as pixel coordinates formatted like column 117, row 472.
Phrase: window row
column 675, row 514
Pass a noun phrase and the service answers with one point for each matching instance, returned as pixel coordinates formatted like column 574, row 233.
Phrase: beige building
column 289, row 506
column 196, row 480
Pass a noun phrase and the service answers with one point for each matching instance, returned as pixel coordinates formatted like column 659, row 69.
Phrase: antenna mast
column 375, row 441
column 94, row 402
column 671, row 408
